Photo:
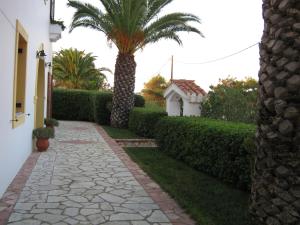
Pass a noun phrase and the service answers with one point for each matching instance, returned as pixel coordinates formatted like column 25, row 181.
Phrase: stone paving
column 80, row 180
column 85, row 177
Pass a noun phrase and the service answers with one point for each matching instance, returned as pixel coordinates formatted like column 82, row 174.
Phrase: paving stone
column 47, row 205
column 19, row 216
column 125, row 216
column 105, row 206
column 77, row 199
column 24, row 206
column 71, row 211
column 158, row 217
column 141, row 207
column 49, row 217
column 117, row 223
column 35, row 211
column 55, row 211
column 140, row 223
column 86, row 212
column 71, row 221
column 96, row 219
column 57, row 192
column 27, row 222
column 80, row 180
column 111, row 198
column 56, row 199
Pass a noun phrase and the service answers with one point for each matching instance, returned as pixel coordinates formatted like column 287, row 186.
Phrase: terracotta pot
column 51, row 126
column 42, row 144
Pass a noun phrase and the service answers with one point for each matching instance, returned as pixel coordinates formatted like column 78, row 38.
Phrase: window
column 20, row 75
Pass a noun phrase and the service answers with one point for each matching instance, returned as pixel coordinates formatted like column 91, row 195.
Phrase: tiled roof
column 189, row 87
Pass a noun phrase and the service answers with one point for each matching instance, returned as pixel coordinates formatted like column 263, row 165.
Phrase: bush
column 142, row 121
column 72, row 105
column 102, row 107
column 139, row 101
column 43, row 133
column 83, row 105
column 219, row 148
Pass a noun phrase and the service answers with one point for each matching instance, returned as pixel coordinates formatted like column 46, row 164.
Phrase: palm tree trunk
column 276, row 179
column 124, row 82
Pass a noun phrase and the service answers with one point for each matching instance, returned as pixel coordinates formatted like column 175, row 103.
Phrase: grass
column 207, row 200
column 118, row 133
column 154, row 106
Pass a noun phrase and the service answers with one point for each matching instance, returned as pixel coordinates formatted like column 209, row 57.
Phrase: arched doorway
column 39, row 95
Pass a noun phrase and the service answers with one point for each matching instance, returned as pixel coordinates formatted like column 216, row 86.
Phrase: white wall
column 173, row 106
column 16, row 144
column 191, row 109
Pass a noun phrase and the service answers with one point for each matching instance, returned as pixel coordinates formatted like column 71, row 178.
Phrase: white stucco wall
column 172, row 105
column 191, row 109
column 191, row 104
column 16, row 144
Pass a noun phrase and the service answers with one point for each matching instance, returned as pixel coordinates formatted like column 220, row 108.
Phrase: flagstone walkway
column 82, row 179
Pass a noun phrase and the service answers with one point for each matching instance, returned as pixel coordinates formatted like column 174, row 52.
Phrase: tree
column 154, row 90
column 233, row 100
column 276, row 179
column 75, row 69
column 130, row 25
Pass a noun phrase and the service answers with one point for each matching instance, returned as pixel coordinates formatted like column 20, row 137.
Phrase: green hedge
column 82, row 105
column 142, row 121
column 221, row 149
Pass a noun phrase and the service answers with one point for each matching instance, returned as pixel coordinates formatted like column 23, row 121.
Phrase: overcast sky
column 229, row 26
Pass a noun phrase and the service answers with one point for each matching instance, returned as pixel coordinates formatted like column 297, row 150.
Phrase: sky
column 229, row 26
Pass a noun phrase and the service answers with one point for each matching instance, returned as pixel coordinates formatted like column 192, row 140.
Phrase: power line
column 8, row 20
column 158, row 71
column 221, row 58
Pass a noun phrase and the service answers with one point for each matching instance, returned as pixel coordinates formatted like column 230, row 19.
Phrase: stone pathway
column 81, row 180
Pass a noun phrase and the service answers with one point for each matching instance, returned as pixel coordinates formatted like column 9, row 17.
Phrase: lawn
column 207, row 200
column 118, row 133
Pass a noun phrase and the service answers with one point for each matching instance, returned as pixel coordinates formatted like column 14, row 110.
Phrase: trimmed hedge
column 219, row 148
column 142, row 121
column 83, row 105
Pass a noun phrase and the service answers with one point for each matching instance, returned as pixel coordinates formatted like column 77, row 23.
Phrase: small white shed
column 183, row 98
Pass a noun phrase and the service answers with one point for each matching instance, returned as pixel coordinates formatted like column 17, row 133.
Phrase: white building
column 183, row 98
column 26, row 35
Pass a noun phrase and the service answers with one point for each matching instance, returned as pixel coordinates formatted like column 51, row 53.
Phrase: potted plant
column 42, row 135
column 51, row 122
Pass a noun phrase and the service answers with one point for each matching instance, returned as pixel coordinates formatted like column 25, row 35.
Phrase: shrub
column 51, row 122
column 142, row 121
column 102, row 107
column 83, row 105
column 72, row 105
column 43, row 132
column 139, row 101
column 219, row 148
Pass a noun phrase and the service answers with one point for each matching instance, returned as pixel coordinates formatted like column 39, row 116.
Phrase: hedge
column 83, row 105
column 219, row 148
column 142, row 121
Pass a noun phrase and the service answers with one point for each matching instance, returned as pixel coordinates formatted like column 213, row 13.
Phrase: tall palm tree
column 130, row 25
column 276, row 178
column 76, row 69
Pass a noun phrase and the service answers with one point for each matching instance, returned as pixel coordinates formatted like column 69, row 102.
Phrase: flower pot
column 42, row 144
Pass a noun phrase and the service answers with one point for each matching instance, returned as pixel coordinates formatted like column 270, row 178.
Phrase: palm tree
column 276, row 179
column 76, row 69
column 130, row 25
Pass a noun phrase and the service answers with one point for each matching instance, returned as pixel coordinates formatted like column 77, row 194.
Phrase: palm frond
column 132, row 24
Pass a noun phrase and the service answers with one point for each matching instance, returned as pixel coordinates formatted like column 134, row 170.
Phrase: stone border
column 172, row 210
column 145, row 143
column 10, row 197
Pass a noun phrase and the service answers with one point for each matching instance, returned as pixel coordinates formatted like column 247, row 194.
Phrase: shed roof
column 189, row 87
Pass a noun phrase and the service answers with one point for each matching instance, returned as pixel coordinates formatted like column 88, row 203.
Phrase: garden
column 203, row 163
